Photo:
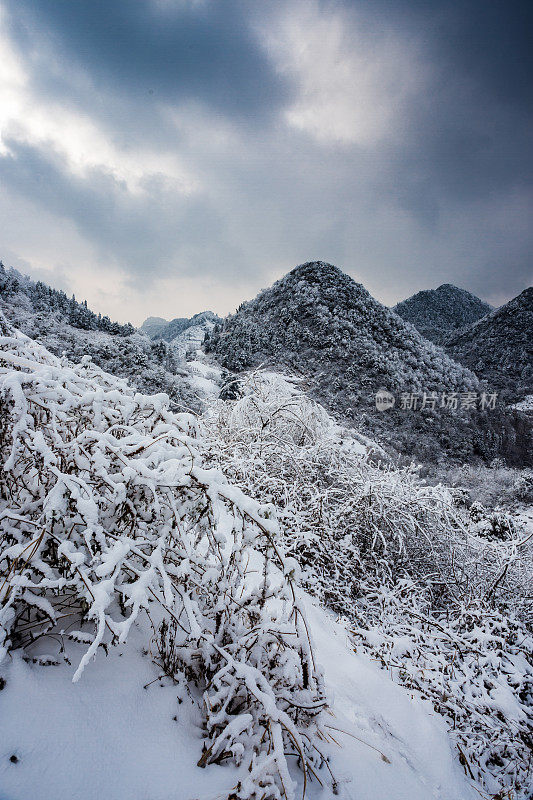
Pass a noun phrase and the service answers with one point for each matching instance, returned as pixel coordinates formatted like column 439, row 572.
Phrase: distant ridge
column 439, row 313
column 499, row 347
column 157, row 328
column 152, row 326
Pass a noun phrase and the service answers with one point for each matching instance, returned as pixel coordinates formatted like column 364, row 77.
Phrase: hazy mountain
column 67, row 327
column 499, row 347
column 319, row 322
column 152, row 326
column 171, row 330
column 437, row 313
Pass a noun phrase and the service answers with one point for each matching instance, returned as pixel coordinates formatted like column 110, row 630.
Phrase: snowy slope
column 157, row 328
column 108, row 737
column 96, row 449
column 189, row 340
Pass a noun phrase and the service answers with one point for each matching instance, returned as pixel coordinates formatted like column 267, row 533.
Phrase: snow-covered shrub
column 474, row 664
column 107, row 513
column 402, row 560
column 497, row 525
column 489, row 486
column 523, row 486
column 345, row 513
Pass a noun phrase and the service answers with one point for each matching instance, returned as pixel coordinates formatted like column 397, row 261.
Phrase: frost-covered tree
column 107, row 513
column 320, row 323
column 440, row 595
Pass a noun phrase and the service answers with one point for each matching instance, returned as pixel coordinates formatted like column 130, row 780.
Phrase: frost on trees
column 107, row 512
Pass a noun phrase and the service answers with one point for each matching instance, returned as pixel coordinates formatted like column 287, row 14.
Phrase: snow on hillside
column 422, row 578
column 128, row 520
column 141, row 547
column 191, row 339
column 526, row 404
column 85, row 556
column 203, row 377
column 151, row 366
column 109, row 737
column 178, row 329
column 439, row 313
column 499, row 347
column 318, row 322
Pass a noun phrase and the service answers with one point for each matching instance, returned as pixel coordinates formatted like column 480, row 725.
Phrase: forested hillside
column 318, row 322
column 439, row 313
column 37, row 297
column 69, row 328
column 500, row 347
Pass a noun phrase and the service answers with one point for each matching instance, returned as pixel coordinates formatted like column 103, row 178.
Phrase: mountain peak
column 438, row 313
column 450, row 287
column 319, row 282
column 312, row 269
column 498, row 347
column 152, row 325
column 318, row 322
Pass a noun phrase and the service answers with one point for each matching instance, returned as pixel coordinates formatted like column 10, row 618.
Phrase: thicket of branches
column 475, row 665
column 112, row 507
column 107, row 513
column 432, row 589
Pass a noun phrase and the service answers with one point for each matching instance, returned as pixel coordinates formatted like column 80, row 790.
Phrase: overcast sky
column 162, row 157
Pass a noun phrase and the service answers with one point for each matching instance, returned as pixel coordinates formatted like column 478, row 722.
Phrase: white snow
column 203, row 378
column 384, row 715
column 108, row 738
column 525, row 405
column 103, row 738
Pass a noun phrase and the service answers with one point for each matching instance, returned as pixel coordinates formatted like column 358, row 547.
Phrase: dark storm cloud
column 444, row 198
column 487, row 40
column 470, row 133
column 171, row 52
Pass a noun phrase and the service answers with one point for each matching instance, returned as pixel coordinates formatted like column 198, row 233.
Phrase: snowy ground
column 105, row 738
column 525, row 405
column 204, row 378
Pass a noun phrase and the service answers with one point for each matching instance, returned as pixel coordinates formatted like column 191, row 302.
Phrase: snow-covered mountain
column 152, row 326
column 67, row 327
column 319, row 316
column 185, row 335
column 36, row 297
column 158, row 328
column 320, row 323
column 439, row 313
column 499, row 347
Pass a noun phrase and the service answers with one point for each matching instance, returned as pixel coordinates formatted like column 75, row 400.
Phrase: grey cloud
column 398, row 216
column 173, row 53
